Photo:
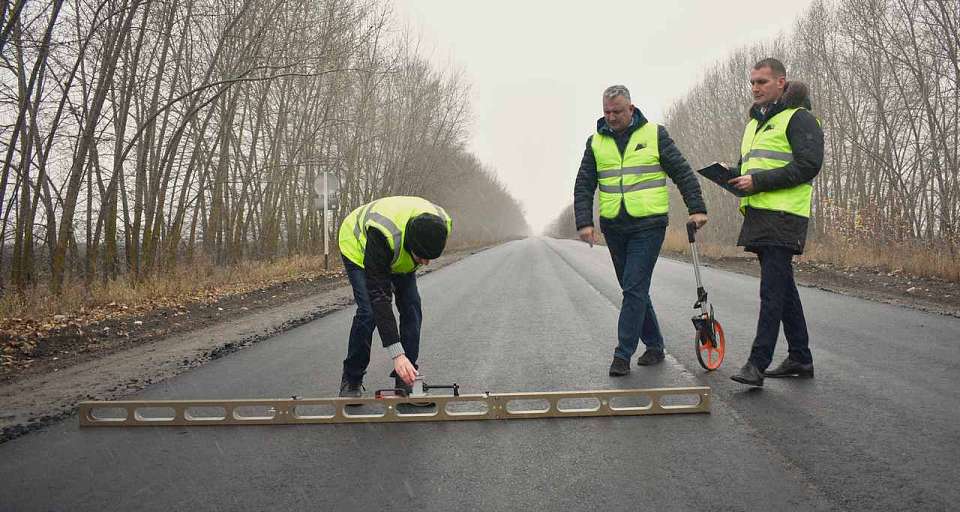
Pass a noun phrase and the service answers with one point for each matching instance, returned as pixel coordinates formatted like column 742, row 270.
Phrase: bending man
column 383, row 243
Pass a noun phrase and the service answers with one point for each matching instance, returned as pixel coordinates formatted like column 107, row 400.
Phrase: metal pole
column 692, row 238
column 696, row 264
column 326, row 248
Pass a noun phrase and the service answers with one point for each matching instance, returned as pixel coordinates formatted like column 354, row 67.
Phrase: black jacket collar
column 795, row 95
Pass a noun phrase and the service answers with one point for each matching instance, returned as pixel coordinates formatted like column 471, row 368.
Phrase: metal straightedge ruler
column 484, row 406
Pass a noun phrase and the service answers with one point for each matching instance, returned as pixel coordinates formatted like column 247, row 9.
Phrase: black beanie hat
column 426, row 236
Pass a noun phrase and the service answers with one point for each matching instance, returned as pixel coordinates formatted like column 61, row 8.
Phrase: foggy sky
column 537, row 70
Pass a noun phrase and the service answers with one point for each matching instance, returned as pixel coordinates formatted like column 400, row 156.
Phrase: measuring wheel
column 709, row 342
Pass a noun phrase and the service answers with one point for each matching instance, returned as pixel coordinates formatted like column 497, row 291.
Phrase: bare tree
column 884, row 79
column 164, row 130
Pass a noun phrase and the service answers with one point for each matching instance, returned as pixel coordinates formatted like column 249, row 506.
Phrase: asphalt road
column 878, row 429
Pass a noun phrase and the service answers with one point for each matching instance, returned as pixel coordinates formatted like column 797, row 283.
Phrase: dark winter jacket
column 771, row 228
column 672, row 162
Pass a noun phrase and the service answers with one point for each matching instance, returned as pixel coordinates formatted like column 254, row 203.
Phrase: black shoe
column 651, row 357
column 791, row 368
column 749, row 375
column 619, row 367
column 351, row 389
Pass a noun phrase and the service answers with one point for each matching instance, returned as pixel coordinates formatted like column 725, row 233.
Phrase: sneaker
column 351, row 389
column 650, row 357
column 749, row 375
column 791, row 368
column 619, row 367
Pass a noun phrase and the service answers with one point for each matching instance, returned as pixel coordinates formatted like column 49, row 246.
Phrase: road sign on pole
column 326, row 212
column 327, row 187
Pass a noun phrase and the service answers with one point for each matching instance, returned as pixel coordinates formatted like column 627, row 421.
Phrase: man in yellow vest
column 382, row 244
column 629, row 160
column 781, row 153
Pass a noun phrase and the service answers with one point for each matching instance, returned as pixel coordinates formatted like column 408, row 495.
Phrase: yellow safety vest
column 768, row 148
column 634, row 178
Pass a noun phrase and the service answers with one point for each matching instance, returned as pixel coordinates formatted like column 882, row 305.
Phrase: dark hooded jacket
column 672, row 162
column 772, row 228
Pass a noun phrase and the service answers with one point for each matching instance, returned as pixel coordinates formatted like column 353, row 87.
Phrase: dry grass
column 925, row 260
column 203, row 281
column 676, row 241
column 199, row 281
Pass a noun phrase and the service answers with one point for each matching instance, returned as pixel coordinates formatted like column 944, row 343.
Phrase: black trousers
column 361, row 331
column 779, row 304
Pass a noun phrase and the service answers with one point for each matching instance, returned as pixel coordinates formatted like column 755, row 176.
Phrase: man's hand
column 404, row 369
column 587, row 235
column 697, row 219
column 744, row 183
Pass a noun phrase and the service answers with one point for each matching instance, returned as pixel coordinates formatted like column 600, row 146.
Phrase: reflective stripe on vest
column 634, row 178
column 389, row 216
column 768, row 148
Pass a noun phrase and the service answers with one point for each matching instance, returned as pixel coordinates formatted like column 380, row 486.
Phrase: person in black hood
column 426, row 236
column 383, row 243
column 782, row 152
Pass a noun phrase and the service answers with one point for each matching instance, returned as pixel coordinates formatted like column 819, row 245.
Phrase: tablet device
column 720, row 175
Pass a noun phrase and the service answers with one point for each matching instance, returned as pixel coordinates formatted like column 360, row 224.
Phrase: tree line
column 883, row 76
column 137, row 135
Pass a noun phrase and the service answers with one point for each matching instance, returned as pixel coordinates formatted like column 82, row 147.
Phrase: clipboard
column 720, row 175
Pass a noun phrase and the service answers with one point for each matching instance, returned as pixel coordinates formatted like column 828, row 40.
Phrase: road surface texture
column 876, row 430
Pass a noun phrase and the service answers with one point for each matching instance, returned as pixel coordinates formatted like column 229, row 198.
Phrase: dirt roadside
column 111, row 359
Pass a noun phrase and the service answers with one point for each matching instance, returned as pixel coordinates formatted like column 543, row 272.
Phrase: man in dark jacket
column 781, row 153
column 629, row 159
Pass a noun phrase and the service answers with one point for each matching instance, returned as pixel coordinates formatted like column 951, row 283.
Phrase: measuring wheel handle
column 691, row 232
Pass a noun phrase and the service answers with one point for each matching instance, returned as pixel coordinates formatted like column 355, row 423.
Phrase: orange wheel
column 710, row 356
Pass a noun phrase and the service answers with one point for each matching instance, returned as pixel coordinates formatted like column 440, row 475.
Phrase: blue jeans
column 634, row 256
column 361, row 332
column 779, row 304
